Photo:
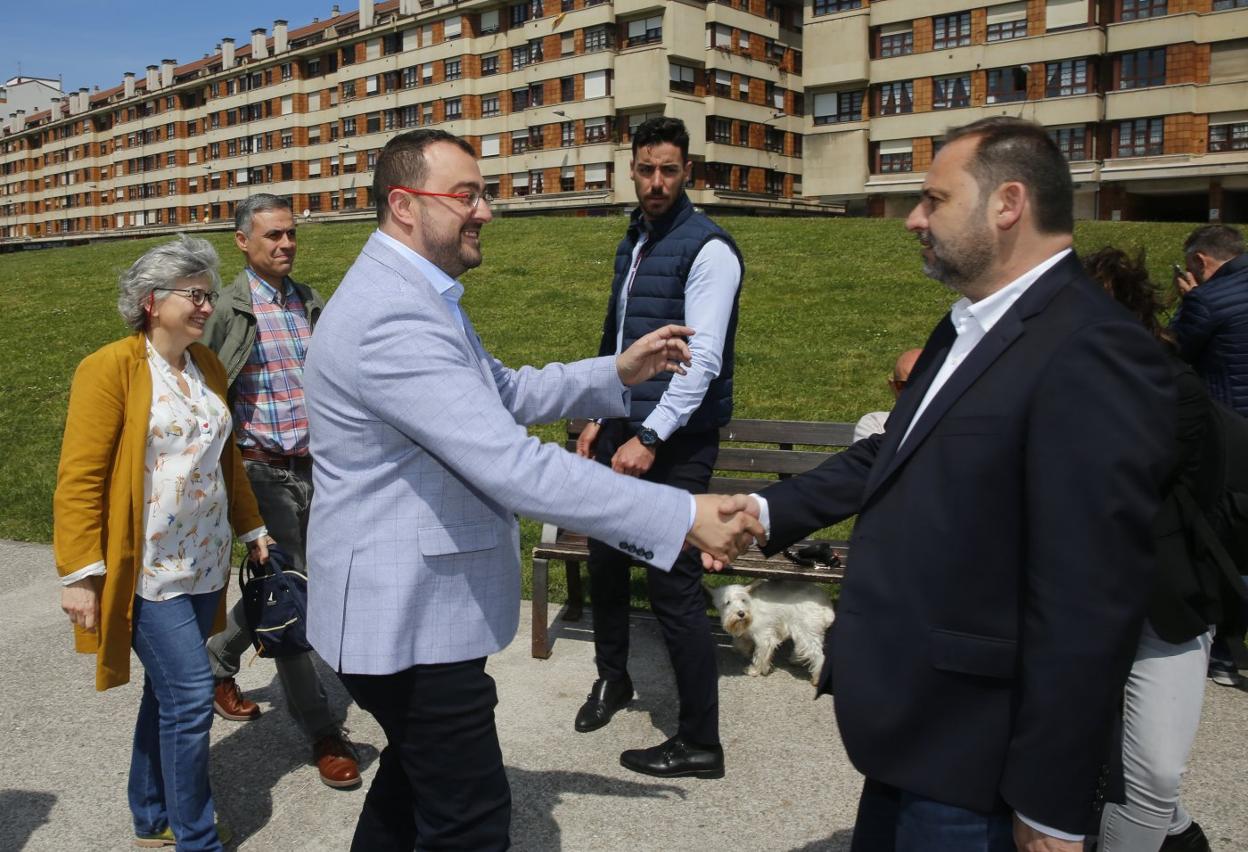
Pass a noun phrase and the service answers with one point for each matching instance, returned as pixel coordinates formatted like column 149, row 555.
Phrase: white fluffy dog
column 763, row 614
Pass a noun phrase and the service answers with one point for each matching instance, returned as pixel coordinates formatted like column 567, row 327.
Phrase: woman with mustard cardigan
column 149, row 484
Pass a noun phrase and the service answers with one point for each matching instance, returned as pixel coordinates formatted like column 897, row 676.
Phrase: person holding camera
column 1211, row 330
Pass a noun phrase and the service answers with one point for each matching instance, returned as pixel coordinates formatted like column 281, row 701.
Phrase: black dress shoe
column 606, row 697
column 676, row 758
column 1190, row 839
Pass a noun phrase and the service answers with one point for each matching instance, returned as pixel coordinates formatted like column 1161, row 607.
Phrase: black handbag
column 275, row 602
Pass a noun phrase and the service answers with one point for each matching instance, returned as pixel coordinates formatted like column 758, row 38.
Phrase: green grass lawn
column 826, row 306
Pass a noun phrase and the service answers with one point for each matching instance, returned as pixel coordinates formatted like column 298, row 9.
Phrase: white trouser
column 1161, row 713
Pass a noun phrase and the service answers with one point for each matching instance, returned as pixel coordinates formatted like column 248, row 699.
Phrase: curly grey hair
column 164, row 266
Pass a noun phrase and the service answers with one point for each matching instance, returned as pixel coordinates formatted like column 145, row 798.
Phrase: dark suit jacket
column 1002, row 559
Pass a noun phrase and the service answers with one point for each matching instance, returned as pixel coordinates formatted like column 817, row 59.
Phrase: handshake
column 724, row 527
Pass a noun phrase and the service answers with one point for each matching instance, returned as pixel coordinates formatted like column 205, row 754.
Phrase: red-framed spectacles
column 471, row 198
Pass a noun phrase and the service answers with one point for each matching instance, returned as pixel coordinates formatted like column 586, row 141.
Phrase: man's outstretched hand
column 724, row 528
column 662, row 349
column 742, row 504
column 587, row 440
column 1028, row 839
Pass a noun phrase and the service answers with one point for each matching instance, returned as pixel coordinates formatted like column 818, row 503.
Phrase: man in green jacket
column 260, row 330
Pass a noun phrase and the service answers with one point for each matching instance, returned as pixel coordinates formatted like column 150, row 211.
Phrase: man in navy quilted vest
column 674, row 265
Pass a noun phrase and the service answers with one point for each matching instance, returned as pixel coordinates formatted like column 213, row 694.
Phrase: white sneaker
column 1226, row 676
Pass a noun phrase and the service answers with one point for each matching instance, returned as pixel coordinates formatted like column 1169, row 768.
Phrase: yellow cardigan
column 98, row 508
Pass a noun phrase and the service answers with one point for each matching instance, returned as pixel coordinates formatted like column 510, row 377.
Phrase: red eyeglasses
column 471, row 198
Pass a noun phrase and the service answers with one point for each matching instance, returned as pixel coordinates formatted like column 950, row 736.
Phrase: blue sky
column 93, row 42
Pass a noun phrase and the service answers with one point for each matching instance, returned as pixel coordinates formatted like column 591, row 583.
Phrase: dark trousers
column 676, row 596
column 440, row 783
column 284, row 497
column 892, row 820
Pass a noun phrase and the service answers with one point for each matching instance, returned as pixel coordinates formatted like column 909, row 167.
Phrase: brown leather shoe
column 229, row 703
column 336, row 761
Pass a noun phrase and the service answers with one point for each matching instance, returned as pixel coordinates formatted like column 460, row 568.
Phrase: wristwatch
column 648, row 437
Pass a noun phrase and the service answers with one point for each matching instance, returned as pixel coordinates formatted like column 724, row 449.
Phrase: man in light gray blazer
column 422, row 461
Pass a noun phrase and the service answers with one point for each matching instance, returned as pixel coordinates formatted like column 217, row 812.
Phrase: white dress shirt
column 972, row 321
column 871, row 423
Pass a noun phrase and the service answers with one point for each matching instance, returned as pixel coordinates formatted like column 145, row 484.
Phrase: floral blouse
column 186, row 548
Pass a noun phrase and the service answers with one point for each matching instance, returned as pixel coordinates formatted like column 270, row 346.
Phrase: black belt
column 274, row 460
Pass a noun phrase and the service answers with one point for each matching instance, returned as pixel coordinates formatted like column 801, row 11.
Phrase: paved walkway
column 789, row 785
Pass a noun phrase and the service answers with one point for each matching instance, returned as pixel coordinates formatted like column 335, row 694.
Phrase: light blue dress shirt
column 448, row 288
column 710, row 288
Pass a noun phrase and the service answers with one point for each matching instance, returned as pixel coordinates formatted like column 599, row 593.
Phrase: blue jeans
column 892, row 820
column 169, row 764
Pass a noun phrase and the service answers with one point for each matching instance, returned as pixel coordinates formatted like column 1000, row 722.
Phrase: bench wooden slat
column 789, row 432
column 756, row 460
column 789, row 571
column 767, row 432
column 752, row 563
column 734, row 485
column 739, row 484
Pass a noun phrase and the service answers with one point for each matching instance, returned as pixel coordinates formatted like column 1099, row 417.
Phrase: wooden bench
column 777, row 460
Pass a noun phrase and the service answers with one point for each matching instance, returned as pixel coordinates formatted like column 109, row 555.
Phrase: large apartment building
column 801, row 106
column 1147, row 98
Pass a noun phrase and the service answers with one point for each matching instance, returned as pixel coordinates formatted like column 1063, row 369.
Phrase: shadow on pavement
column 838, row 842
column 247, row 764
column 21, row 813
column 535, row 795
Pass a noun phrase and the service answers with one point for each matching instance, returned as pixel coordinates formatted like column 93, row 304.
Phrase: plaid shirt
column 269, row 409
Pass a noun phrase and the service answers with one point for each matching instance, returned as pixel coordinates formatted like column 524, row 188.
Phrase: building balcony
column 646, row 73
column 1151, row 32
column 1220, row 26
column 1051, row 112
column 811, row 129
column 845, row 56
column 638, row 7
column 835, row 164
column 1156, row 100
column 897, row 11
column 742, row 155
column 729, row 16
column 1049, row 48
column 684, row 31
column 727, row 107
column 1221, row 97
column 1229, row 167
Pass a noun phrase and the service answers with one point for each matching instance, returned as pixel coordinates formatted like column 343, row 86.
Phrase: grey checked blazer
column 421, row 462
